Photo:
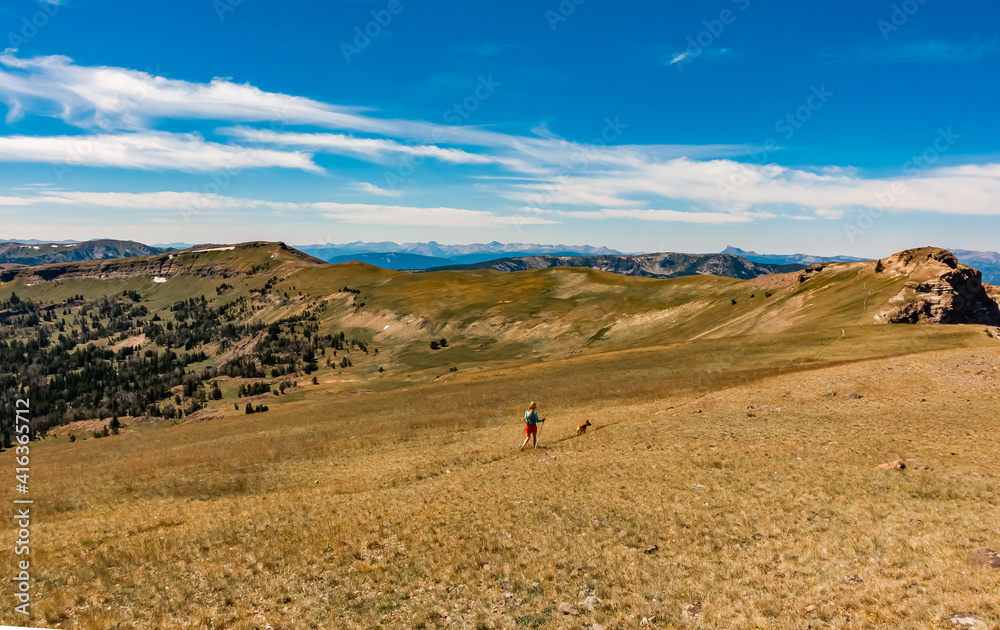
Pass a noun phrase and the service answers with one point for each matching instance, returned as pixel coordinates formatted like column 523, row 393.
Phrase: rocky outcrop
column 938, row 290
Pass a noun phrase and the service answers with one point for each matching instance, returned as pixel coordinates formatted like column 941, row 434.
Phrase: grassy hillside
column 727, row 464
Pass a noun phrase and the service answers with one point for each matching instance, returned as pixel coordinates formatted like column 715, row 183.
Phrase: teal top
column 531, row 418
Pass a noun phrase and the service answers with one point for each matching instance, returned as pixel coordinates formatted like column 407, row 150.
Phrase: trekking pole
column 538, row 432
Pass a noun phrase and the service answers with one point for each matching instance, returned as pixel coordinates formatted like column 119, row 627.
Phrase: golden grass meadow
column 729, row 479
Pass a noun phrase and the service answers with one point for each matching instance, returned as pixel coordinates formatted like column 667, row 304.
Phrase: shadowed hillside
column 48, row 253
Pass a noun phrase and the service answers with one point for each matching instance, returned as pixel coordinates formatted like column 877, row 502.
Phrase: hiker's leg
column 524, row 442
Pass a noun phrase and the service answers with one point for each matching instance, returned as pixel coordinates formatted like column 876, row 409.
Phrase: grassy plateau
column 729, row 479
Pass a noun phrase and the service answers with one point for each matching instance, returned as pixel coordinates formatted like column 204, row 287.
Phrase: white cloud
column 371, row 214
column 372, row 189
column 147, row 151
column 734, row 187
column 118, row 107
column 373, row 148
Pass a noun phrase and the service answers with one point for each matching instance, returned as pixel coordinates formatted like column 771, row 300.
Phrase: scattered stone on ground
column 648, row 621
column 853, row 579
column 896, row 464
column 566, row 608
column 985, row 557
column 965, row 621
column 589, row 601
column 691, row 611
column 810, row 608
column 855, row 395
column 651, row 549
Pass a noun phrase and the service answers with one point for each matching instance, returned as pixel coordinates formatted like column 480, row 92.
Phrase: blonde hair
column 532, row 405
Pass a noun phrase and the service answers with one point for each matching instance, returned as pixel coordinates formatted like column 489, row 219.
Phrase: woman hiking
column 531, row 422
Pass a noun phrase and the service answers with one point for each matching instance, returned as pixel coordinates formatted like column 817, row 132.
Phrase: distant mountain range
column 446, row 254
column 37, row 253
column 664, row 265
column 422, row 256
column 787, row 259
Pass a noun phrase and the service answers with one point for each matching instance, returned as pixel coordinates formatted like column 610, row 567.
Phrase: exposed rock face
column 812, row 270
column 939, row 290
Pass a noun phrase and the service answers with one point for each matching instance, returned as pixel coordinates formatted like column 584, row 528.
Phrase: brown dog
column 580, row 430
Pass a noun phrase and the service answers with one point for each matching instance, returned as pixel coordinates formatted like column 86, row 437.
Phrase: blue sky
column 856, row 128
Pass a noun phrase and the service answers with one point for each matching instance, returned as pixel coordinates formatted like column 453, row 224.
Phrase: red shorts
column 530, row 429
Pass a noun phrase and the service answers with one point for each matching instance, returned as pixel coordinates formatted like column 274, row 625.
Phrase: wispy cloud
column 147, row 151
column 372, row 189
column 930, row 50
column 708, row 53
column 359, row 213
column 116, row 109
column 376, row 149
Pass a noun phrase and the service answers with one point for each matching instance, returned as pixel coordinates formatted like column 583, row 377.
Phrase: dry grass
column 412, row 508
